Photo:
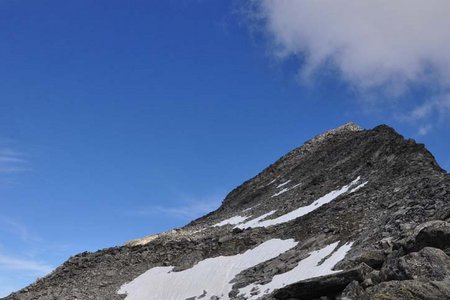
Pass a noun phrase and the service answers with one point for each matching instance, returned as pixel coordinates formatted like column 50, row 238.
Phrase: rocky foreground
column 352, row 214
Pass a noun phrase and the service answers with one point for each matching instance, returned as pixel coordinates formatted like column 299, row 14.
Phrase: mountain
column 351, row 214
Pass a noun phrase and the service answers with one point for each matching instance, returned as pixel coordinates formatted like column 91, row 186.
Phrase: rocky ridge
column 394, row 212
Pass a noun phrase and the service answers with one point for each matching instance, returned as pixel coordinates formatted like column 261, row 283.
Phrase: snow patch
column 301, row 211
column 254, row 222
column 285, row 190
column 358, row 187
column 280, row 192
column 283, row 184
column 307, row 268
column 250, row 208
column 271, row 182
column 232, row 221
column 210, row 277
column 297, row 213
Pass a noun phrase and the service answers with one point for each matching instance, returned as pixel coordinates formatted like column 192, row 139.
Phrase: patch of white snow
column 358, row 187
column 301, row 211
column 250, row 208
column 255, row 221
column 283, row 184
column 280, row 192
column 211, row 276
column 232, row 221
column 285, row 190
column 306, row 269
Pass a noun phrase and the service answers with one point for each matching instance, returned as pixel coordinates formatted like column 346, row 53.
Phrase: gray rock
column 353, row 291
column 411, row 290
column 427, row 264
column 323, row 286
column 431, row 234
column 371, row 257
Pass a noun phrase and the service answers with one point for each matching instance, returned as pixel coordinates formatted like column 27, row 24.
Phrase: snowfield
column 307, row 268
column 301, row 211
column 232, row 221
column 256, row 221
column 297, row 213
column 284, row 190
column 212, row 276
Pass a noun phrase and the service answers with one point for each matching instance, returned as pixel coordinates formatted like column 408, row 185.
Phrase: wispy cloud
column 5, row 290
column 11, row 159
column 424, row 129
column 436, row 107
column 21, row 255
column 427, row 114
column 12, row 163
column 10, row 155
column 36, row 268
column 12, row 170
column 189, row 209
column 19, row 230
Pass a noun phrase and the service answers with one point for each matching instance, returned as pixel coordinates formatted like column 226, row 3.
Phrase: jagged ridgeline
column 352, row 214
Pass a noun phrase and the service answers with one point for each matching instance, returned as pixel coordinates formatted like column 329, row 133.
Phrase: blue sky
column 120, row 119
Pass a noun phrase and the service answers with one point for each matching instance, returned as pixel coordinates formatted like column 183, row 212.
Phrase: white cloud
column 10, row 263
column 9, row 170
column 18, row 229
column 370, row 44
column 424, row 129
column 11, row 164
column 5, row 290
column 189, row 209
column 22, row 254
column 435, row 110
column 438, row 106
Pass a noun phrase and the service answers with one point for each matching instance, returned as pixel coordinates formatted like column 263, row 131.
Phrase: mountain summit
column 351, row 214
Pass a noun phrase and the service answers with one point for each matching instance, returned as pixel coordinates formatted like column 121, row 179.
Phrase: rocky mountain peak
column 346, row 129
column 351, row 214
column 343, row 129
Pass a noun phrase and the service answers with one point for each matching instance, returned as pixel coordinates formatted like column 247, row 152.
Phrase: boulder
column 323, row 286
column 410, row 290
column 373, row 258
column 434, row 234
column 353, row 291
column 427, row 264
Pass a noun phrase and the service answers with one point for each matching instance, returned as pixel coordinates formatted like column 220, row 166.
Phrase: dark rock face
column 323, row 286
column 396, row 222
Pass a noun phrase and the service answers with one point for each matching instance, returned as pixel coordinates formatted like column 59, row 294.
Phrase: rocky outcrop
column 427, row 264
column 323, row 286
column 433, row 234
column 423, row 275
column 353, row 291
column 373, row 189
column 411, row 290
